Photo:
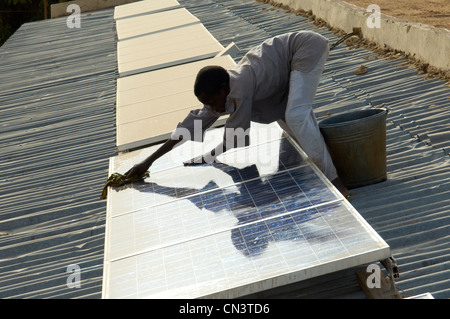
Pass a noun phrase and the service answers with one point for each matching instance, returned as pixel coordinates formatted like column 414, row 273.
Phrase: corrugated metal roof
column 57, row 105
column 58, row 117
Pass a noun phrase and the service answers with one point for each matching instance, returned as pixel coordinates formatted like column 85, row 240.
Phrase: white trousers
column 300, row 118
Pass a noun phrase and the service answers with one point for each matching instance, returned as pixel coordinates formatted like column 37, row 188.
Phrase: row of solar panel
column 259, row 217
column 162, row 37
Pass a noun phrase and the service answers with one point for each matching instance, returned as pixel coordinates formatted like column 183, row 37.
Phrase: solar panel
column 150, row 104
column 153, row 22
column 261, row 217
column 142, row 7
column 166, row 48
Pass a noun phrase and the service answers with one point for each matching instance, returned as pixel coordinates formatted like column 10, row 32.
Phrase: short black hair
column 210, row 79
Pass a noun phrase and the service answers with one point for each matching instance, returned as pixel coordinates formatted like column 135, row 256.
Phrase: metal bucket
column 356, row 141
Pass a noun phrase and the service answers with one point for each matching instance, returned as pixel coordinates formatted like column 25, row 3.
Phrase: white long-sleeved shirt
column 259, row 85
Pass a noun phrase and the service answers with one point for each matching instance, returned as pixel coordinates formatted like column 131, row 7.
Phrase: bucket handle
column 356, row 31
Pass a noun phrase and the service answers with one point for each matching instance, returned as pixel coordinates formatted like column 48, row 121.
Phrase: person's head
column 212, row 86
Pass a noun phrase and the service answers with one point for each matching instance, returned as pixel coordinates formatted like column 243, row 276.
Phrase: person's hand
column 136, row 171
column 199, row 160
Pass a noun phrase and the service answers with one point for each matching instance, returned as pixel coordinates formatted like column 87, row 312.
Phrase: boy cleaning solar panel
column 275, row 81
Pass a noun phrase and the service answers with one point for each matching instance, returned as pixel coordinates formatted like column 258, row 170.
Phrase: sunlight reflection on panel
column 290, row 248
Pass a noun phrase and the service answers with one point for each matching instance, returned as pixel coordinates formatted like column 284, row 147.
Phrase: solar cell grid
column 242, row 255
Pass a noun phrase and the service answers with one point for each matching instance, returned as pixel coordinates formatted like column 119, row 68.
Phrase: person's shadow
column 255, row 204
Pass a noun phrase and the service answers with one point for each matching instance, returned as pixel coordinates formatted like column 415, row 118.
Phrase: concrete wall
column 60, row 9
column 426, row 43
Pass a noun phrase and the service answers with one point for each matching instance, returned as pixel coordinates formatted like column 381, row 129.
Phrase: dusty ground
column 432, row 12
